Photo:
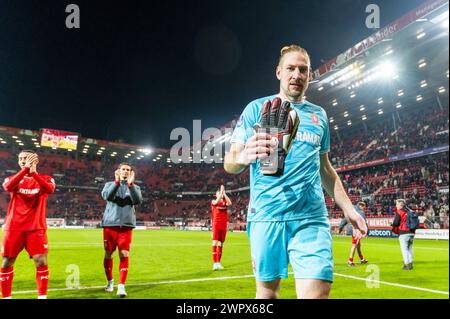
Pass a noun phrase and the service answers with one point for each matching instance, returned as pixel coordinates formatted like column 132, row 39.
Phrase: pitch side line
column 167, row 282
column 226, row 278
column 393, row 284
column 396, row 247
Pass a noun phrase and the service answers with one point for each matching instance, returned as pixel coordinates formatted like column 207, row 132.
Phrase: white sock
column 42, row 297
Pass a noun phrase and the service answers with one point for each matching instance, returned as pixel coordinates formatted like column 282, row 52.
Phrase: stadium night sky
column 137, row 69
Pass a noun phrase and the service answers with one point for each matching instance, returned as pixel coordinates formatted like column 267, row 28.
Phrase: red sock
column 361, row 257
column 214, row 253
column 219, row 253
column 42, row 280
column 350, row 259
column 123, row 269
column 6, row 278
column 108, row 265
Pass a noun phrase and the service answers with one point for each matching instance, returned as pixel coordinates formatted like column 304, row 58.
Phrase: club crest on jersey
column 314, row 118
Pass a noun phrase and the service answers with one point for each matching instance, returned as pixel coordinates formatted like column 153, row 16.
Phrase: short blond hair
column 293, row 48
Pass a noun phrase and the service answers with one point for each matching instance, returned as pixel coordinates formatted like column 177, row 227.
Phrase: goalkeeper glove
column 281, row 121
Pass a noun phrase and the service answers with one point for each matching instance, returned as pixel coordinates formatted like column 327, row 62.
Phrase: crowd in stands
column 417, row 130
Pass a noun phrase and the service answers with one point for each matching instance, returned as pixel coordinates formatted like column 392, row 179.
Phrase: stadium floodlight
column 320, row 88
column 361, row 107
column 395, row 77
column 400, row 93
column 334, row 102
column 386, row 69
column 380, row 111
column 349, row 123
column 102, row 148
column 444, row 23
column 441, row 89
column 336, row 127
column 87, row 146
column 15, row 137
column 364, row 117
column 112, row 155
column 441, row 19
column 18, row 141
column 69, row 150
column 380, row 100
column 345, row 114
column 33, row 139
column 422, row 63
column 331, row 119
column 419, row 97
column 3, row 142
column 420, row 35
column 398, row 105
column 423, row 84
column 21, row 144
column 352, row 95
column 154, row 160
column 390, row 51
column 447, row 73
column 132, row 152
column 38, row 146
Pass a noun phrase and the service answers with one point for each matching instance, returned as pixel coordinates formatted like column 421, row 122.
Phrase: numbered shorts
column 306, row 244
column 219, row 232
column 117, row 237
column 35, row 242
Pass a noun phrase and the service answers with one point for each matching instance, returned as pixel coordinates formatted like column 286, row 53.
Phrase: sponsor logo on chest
column 27, row 191
column 308, row 137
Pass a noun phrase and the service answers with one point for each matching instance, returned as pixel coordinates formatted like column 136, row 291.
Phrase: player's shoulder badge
column 314, row 118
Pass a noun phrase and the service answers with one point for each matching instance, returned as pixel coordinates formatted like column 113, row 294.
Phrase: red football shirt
column 219, row 215
column 27, row 207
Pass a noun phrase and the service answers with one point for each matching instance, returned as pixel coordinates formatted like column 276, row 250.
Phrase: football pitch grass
column 167, row 264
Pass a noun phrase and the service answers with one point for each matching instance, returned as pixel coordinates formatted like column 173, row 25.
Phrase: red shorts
column 219, row 232
column 35, row 242
column 117, row 237
column 355, row 241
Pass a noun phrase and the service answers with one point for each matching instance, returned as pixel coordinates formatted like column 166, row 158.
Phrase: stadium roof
column 403, row 64
column 20, row 139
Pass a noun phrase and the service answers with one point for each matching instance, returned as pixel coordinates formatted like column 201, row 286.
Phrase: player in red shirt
column 25, row 223
column 219, row 222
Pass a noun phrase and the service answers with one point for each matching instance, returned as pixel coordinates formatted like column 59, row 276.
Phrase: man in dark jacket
column 356, row 243
column 406, row 235
column 119, row 219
